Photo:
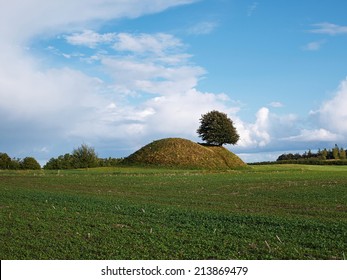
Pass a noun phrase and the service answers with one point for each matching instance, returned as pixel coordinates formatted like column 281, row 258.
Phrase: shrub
column 5, row 161
column 29, row 163
column 84, row 157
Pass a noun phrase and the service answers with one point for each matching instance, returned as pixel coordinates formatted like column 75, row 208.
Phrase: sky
column 116, row 74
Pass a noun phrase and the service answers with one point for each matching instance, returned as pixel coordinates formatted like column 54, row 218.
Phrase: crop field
column 259, row 212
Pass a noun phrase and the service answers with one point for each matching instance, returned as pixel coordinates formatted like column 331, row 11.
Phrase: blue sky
column 119, row 74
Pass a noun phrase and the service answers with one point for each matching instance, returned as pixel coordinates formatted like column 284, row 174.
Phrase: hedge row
column 14, row 164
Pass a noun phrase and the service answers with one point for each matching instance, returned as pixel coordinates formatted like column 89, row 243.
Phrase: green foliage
column 5, row 161
column 134, row 213
column 109, row 162
column 324, row 154
column 183, row 153
column 29, row 163
column 84, row 157
column 336, row 152
column 15, row 164
column 335, row 156
column 217, row 129
column 62, row 162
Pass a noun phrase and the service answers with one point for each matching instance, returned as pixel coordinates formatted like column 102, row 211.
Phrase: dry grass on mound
column 178, row 152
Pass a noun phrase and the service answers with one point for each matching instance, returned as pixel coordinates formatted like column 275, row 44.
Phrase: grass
column 264, row 212
column 183, row 153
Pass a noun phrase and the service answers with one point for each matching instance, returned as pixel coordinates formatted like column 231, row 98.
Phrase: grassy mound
column 183, row 153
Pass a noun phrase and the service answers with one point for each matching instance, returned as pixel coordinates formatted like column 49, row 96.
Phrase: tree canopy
column 30, row 163
column 27, row 163
column 217, row 129
column 84, row 157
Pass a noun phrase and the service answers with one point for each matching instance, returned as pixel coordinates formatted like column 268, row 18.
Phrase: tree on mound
column 217, row 129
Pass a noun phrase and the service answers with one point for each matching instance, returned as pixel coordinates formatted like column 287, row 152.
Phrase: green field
column 260, row 212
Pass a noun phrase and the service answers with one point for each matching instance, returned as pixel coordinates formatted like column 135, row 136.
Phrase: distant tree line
column 335, row 155
column 7, row 162
column 82, row 157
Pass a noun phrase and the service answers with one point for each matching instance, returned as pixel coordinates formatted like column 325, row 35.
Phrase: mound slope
column 178, row 152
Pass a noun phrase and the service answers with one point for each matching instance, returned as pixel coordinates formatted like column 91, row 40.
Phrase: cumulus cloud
column 179, row 114
column 328, row 123
column 147, row 89
column 325, row 126
column 328, row 28
column 174, row 105
column 255, row 134
column 40, row 107
column 53, row 107
column 333, row 114
column 261, row 126
column 42, row 103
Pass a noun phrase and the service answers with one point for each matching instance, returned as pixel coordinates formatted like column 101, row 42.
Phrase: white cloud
column 313, row 46
column 255, row 134
column 333, row 113
column 315, row 135
column 272, row 131
column 328, row 28
column 179, row 114
column 328, row 123
column 155, row 64
column 261, row 126
column 268, row 132
column 158, row 43
column 147, row 90
column 69, row 106
column 131, row 75
column 42, row 105
column 55, row 97
column 27, row 18
column 90, row 38
column 159, row 47
column 276, row 104
column 203, row 28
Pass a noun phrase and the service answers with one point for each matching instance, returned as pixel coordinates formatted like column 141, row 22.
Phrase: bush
column 84, row 157
column 30, row 163
column 5, row 161
column 62, row 162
